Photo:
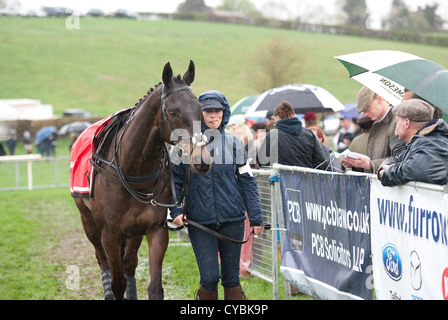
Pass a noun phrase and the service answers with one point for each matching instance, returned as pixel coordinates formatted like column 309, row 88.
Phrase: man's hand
column 361, row 162
column 380, row 172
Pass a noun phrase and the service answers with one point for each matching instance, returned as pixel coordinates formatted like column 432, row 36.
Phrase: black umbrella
column 78, row 126
column 303, row 98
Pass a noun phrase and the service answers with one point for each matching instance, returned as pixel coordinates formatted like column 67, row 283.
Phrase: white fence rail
column 28, row 172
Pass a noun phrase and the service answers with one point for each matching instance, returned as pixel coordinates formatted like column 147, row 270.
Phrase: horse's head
column 181, row 118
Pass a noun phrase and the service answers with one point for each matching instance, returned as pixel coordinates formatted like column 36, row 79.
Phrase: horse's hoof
column 131, row 288
column 109, row 296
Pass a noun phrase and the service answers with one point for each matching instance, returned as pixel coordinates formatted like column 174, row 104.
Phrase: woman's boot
column 203, row 294
column 236, row 293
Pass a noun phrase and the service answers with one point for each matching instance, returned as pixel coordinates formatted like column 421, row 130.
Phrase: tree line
column 351, row 13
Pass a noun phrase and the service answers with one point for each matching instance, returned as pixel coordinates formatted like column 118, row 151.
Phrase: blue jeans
column 206, row 248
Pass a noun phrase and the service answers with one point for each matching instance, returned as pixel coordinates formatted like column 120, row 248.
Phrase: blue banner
column 326, row 252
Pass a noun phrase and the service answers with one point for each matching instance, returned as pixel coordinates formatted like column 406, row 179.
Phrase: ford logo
column 392, row 262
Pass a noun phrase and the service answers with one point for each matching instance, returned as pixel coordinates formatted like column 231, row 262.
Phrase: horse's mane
column 146, row 96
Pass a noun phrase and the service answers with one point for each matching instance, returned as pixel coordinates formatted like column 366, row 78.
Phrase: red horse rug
column 81, row 170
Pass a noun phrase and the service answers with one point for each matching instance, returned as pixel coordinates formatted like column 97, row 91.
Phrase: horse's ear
column 167, row 75
column 189, row 75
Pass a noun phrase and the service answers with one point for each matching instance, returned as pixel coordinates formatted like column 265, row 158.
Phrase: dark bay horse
column 125, row 206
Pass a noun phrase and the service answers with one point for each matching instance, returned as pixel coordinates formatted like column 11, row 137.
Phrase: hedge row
column 403, row 36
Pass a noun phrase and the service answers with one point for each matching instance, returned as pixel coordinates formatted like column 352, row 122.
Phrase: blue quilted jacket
column 223, row 194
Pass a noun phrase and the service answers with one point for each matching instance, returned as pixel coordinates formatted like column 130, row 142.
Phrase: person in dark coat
column 425, row 158
column 2, row 150
column 291, row 144
column 219, row 200
column 12, row 143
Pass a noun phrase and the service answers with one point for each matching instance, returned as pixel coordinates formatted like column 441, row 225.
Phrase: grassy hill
column 108, row 64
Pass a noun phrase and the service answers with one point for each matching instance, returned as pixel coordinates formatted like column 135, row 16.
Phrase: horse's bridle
column 150, row 198
column 163, row 109
column 198, row 140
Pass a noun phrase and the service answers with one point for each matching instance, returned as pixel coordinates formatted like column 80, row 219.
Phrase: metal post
column 30, row 174
column 29, row 159
column 17, row 173
column 281, row 225
column 57, row 176
column 274, row 243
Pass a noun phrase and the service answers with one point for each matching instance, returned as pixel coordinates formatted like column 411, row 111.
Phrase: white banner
column 409, row 231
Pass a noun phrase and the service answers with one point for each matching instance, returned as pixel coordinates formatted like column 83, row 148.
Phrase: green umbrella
column 361, row 67
column 423, row 77
column 389, row 72
column 243, row 105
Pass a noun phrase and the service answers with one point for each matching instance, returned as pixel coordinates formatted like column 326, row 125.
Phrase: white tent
column 8, row 112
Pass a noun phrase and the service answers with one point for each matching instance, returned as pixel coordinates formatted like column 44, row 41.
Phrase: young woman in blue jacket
column 219, row 200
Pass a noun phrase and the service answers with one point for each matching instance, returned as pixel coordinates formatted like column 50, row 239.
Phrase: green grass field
column 42, row 241
column 106, row 65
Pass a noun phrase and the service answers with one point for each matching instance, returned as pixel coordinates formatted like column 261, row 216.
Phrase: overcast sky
column 377, row 8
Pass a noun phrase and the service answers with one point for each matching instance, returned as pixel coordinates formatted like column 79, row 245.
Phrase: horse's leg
column 157, row 243
column 130, row 262
column 93, row 233
column 111, row 246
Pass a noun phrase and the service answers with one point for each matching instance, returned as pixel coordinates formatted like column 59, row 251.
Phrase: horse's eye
column 173, row 113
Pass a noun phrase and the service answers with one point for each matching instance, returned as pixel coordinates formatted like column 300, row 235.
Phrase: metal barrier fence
column 33, row 172
column 265, row 247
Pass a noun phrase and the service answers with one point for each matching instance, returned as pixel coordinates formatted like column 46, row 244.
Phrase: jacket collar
column 292, row 126
column 429, row 127
column 386, row 118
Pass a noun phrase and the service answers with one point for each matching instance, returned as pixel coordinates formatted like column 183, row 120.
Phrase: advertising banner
column 409, row 242
column 326, row 253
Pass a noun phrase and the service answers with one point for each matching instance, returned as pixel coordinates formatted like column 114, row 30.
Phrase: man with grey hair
column 425, row 158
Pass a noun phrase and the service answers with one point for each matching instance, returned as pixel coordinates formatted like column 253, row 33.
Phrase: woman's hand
column 179, row 220
column 257, row 230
